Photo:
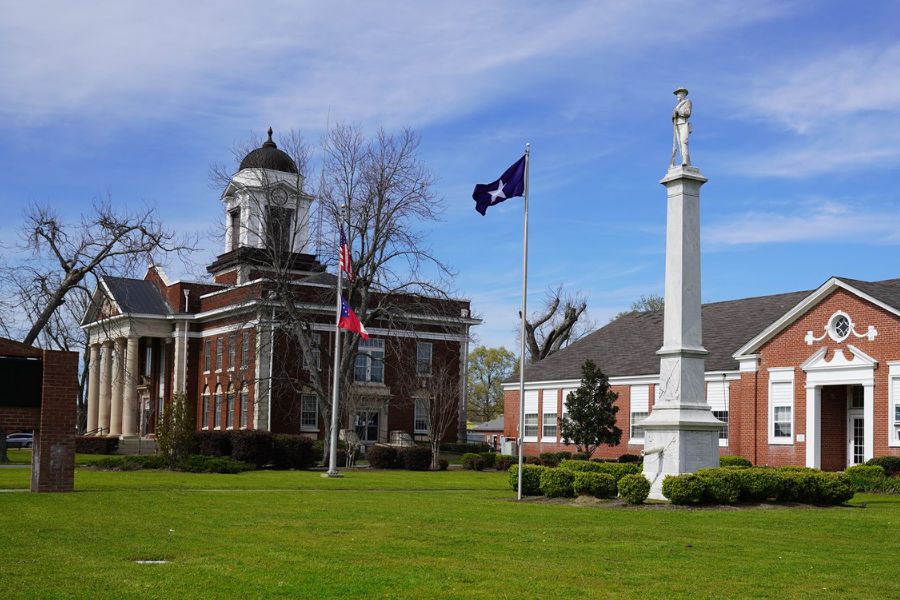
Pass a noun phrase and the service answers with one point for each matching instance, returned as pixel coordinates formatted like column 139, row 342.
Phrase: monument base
column 677, row 441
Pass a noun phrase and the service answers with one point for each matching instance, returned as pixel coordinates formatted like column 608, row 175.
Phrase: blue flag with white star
column 510, row 184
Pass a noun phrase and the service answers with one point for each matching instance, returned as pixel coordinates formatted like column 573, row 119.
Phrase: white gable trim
column 801, row 308
column 839, row 370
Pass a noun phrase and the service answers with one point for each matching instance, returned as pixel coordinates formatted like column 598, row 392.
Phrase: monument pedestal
column 681, row 434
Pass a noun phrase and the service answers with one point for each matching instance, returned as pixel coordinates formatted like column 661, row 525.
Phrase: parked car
column 19, row 440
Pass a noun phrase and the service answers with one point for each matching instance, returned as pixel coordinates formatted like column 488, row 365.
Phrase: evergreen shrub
column 383, row 457
column 720, row 486
column 557, row 483
column 254, row 447
column 212, row 443
column 503, row 461
column 890, row 464
column 489, row 458
column 472, row 461
column 866, row 478
column 617, row 470
column 443, row 465
column 734, row 461
column 213, row 464
column 531, row 479
column 601, row 485
column 630, row 458
column 634, row 488
column 416, row 458
column 683, row 489
column 291, row 451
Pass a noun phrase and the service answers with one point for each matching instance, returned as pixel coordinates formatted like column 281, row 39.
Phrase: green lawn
column 421, row 535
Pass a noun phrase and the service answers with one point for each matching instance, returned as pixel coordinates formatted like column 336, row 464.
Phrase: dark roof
column 268, row 156
column 492, row 425
column 136, row 296
column 628, row 345
column 888, row 291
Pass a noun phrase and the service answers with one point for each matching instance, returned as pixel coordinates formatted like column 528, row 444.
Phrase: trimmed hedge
column 213, row 464
column 382, row 457
column 534, row 460
column 630, row 458
column 634, row 488
column 86, row 444
column 586, row 483
column 472, row 461
column 254, row 447
column 490, row 458
column 890, row 464
column 130, row 462
column 734, row 461
column 866, row 478
column 531, row 479
column 292, row 452
column 415, row 458
column 617, row 470
column 552, row 459
column 504, row 461
column 212, row 443
column 727, row 485
column 443, row 464
column 557, row 483
column 195, row 463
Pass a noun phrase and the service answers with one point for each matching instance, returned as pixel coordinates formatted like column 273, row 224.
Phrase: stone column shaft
column 93, row 403
column 118, row 378
column 130, row 399
column 105, row 386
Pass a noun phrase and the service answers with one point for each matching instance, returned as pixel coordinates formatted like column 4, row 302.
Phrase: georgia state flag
column 350, row 321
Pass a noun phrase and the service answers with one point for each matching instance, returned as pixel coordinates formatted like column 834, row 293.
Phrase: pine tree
column 590, row 416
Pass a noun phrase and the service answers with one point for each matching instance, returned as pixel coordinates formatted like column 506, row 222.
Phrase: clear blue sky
column 796, row 124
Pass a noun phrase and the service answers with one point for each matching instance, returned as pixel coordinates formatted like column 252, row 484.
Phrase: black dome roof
column 268, row 156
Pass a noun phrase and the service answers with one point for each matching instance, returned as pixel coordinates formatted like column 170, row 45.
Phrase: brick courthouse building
column 805, row 378
column 216, row 341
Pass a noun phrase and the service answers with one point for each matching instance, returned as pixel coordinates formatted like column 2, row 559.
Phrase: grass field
column 421, row 535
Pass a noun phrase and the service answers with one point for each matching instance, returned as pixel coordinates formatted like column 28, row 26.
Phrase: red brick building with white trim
column 806, row 378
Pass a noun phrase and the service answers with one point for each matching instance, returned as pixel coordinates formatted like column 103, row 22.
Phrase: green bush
column 891, row 485
column 552, row 459
column 504, row 461
column 212, row 443
column 866, row 478
column 720, row 486
column 557, row 483
column 534, row 460
column 213, row 464
column 130, row 462
column 630, row 458
column 634, row 488
column 734, row 461
column 834, row 488
column 382, row 457
column 472, row 461
column 798, row 486
column 617, row 470
column 443, row 465
column 601, row 485
column 580, row 456
column 758, row 484
column 416, row 458
column 86, row 444
column 489, row 459
column 683, row 489
column 254, row 447
column 463, row 448
column 531, row 479
column 291, row 451
column 890, row 464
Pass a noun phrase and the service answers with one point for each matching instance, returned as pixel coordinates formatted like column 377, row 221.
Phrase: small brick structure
column 52, row 419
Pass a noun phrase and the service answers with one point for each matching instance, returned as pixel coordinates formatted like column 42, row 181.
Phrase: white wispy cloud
column 810, row 221
column 299, row 62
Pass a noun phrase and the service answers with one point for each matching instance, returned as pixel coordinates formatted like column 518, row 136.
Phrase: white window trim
column 893, row 428
column 781, row 375
column 726, row 393
column 633, row 440
column 551, row 401
column 531, row 408
column 430, row 347
column 316, row 412
column 365, row 348
column 416, row 415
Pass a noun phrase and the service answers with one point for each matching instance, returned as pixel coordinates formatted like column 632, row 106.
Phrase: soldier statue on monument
column 681, row 128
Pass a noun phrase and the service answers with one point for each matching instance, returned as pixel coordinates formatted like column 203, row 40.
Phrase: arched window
column 229, row 408
column 245, row 404
column 204, row 414
column 217, row 416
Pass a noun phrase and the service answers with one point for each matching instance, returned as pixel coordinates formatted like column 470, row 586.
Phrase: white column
column 93, row 403
column 814, row 426
column 129, row 398
column 180, row 367
column 868, row 421
column 118, row 379
column 105, row 384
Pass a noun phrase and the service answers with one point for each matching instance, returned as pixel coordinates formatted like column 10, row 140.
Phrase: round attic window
column 839, row 328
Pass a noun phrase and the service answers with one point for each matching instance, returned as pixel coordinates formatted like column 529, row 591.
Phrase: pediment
column 820, row 361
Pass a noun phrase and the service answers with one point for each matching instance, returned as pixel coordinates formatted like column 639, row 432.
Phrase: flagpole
column 336, row 368
column 523, row 315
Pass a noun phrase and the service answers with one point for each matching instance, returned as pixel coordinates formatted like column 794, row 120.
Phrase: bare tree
column 60, row 262
column 441, row 406
column 556, row 325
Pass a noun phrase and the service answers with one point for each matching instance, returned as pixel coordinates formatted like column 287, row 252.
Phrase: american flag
column 346, row 259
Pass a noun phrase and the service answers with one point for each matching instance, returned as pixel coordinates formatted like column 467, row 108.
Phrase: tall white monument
column 681, row 434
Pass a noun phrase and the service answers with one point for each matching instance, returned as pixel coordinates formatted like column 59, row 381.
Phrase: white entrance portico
column 838, row 370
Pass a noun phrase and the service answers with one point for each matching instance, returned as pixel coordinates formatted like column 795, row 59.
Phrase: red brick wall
column 53, row 461
column 834, row 428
